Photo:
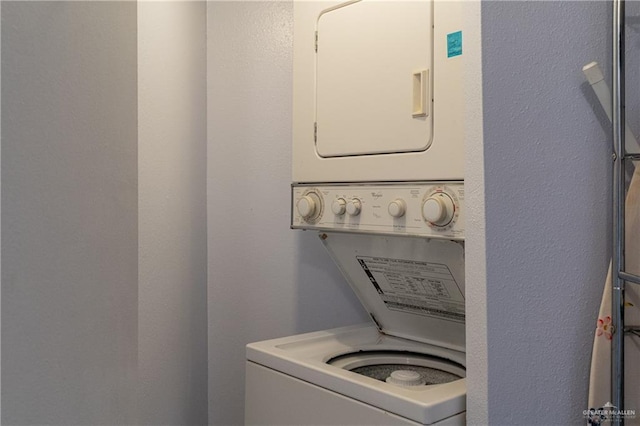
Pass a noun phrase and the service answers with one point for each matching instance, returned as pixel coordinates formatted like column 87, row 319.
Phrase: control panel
column 430, row 209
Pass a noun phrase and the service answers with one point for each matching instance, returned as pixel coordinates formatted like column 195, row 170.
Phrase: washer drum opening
column 380, row 365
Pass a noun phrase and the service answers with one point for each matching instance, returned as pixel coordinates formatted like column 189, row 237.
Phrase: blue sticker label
column 454, row 44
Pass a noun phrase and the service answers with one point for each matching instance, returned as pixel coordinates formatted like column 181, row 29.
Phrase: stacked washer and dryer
column 378, row 161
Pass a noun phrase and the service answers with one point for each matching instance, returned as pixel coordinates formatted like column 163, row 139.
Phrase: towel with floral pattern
column 600, row 408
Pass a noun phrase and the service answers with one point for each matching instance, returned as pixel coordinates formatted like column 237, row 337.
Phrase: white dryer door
column 373, row 78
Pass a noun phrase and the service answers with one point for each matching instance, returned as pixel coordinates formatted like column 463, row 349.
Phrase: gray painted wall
column 104, row 213
column 70, row 279
column 265, row 280
column 69, row 213
column 546, row 192
column 172, row 293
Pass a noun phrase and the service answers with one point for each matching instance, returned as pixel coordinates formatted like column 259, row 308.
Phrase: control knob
column 353, row 207
column 438, row 209
column 397, row 207
column 338, row 207
column 309, row 206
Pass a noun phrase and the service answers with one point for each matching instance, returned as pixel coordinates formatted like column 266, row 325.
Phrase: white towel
column 600, row 381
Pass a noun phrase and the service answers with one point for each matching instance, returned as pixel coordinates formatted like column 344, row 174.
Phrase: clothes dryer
column 378, row 91
column 378, row 173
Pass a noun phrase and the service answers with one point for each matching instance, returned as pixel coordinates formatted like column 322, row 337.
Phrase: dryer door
column 373, row 78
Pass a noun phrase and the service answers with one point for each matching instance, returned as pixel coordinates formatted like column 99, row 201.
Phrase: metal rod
column 629, row 277
column 618, row 261
column 595, row 77
column 635, row 330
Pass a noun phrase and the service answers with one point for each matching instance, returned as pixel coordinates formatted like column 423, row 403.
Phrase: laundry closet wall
column 103, row 213
column 546, row 154
column 265, row 280
column 103, row 269
column 69, row 213
column 172, row 279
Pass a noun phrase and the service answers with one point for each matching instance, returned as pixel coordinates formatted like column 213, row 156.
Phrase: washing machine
column 406, row 367
column 378, row 174
column 339, row 377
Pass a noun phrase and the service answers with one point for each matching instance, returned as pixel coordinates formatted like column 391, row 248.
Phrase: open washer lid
column 412, row 287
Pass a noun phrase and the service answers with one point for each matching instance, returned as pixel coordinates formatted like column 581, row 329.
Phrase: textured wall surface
column 265, row 280
column 104, row 312
column 69, row 213
column 172, row 351
column 546, row 169
column 475, row 247
column 537, row 253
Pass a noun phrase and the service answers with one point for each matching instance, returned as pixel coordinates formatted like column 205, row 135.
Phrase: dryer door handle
column 420, row 93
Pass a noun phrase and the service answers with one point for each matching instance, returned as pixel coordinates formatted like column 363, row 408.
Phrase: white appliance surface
column 304, row 358
column 378, row 170
column 349, row 67
column 378, row 91
column 326, row 207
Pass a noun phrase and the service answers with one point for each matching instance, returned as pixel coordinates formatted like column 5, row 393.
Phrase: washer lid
column 412, row 287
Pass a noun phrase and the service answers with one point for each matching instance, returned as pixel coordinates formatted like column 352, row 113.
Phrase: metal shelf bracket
column 629, row 277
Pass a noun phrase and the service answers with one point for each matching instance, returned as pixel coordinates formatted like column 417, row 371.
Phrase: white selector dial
column 306, row 206
column 309, row 206
column 438, row 209
column 353, row 207
column 397, row 207
column 338, row 207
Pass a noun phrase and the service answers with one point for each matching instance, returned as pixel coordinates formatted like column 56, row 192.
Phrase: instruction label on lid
column 421, row 288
